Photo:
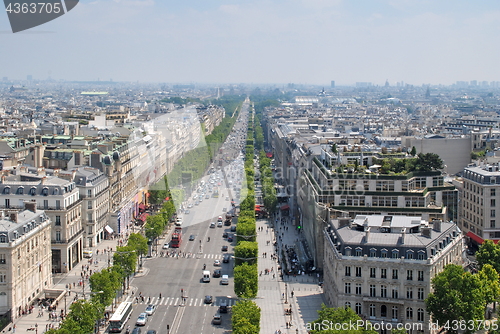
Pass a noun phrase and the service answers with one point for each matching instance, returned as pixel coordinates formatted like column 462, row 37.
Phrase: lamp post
column 286, row 293
column 95, row 307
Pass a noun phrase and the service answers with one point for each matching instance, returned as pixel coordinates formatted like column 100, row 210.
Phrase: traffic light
column 182, row 290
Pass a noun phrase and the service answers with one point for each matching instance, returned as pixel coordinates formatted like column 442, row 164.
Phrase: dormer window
column 359, row 252
column 55, row 192
column 383, row 253
column 409, row 255
column 348, row 251
column 421, row 254
column 33, row 191
column 45, row 191
column 373, row 252
column 3, row 238
column 6, row 190
column 395, row 254
column 20, row 190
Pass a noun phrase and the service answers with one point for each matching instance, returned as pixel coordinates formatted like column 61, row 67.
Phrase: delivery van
column 87, row 253
column 206, row 276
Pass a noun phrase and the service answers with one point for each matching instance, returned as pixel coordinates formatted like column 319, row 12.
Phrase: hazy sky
column 261, row 41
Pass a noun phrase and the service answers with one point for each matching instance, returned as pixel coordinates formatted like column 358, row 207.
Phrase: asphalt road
column 168, row 275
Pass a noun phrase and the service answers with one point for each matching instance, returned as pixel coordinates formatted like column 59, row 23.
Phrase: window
column 492, row 223
column 373, row 253
column 2, row 259
column 358, row 289
column 58, row 220
column 45, row 204
column 33, row 191
column 6, row 190
column 409, row 255
column 347, row 288
column 89, row 217
column 348, row 251
column 383, row 291
column 3, row 278
column 421, row 256
column 409, row 313
column 373, row 291
column 492, row 214
column 383, row 253
column 394, row 274
column 45, row 191
column 383, row 273
column 383, row 311
column 394, row 313
column 58, row 235
column 358, row 271
column 7, row 203
column 347, row 305
column 409, row 293
column 492, row 192
column 89, row 193
column 348, row 271
column 20, row 190
column 395, row 294
column 373, row 272
column 372, row 310
column 395, row 254
column 420, row 294
column 58, row 204
column 409, row 275
column 89, row 205
column 3, row 238
column 420, row 314
column 492, row 202
column 421, row 275
column 358, row 308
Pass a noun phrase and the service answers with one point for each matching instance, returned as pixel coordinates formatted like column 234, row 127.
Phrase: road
column 168, row 275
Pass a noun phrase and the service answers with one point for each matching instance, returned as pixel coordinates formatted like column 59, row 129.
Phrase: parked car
column 143, row 318
column 224, row 235
column 150, row 309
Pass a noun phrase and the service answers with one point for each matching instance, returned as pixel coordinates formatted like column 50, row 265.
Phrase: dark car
column 208, row 299
column 151, row 331
column 226, row 258
column 224, row 248
column 216, row 273
column 233, row 228
column 223, row 307
column 191, row 237
column 230, row 238
column 224, row 235
column 136, row 331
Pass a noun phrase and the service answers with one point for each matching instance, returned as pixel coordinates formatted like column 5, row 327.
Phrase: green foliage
column 138, row 242
column 424, row 162
column 180, row 100
column 413, row 151
column 154, row 226
column 477, row 155
column 489, row 278
column 428, row 161
column 246, row 231
column 336, row 316
column 125, row 258
column 108, row 281
column 81, row 318
column 246, row 280
column 246, row 317
column 246, row 251
column 489, row 253
column 457, row 295
column 334, row 149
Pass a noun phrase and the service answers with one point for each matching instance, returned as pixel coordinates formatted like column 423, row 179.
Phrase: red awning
column 257, row 208
column 475, row 237
column 285, row 207
column 269, row 154
column 143, row 217
column 142, row 207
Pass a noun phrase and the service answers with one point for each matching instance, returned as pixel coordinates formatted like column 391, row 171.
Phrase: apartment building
column 25, row 258
column 381, row 265
column 93, row 187
column 480, row 192
column 60, row 199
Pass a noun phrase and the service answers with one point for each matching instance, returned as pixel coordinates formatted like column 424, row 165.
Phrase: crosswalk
column 199, row 256
column 174, row 301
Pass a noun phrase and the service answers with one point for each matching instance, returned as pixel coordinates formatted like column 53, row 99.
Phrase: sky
column 261, row 42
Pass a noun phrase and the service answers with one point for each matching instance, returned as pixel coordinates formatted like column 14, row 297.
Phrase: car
column 136, row 330
column 470, row 251
column 227, row 198
column 207, row 196
column 143, row 318
column 217, row 320
column 216, row 273
column 151, row 331
column 233, row 228
column 226, row 258
column 212, row 225
column 187, row 212
column 196, row 203
column 224, row 235
column 224, row 248
column 150, row 309
column 219, row 224
column 217, row 263
column 190, row 205
column 166, row 246
column 191, row 237
column 230, row 238
column 208, row 299
column 223, row 306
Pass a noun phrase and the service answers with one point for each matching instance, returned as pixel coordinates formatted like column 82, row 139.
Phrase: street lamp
column 286, row 293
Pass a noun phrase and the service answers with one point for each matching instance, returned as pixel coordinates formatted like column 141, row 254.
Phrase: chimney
column 3, row 178
column 13, row 216
column 403, row 233
column 436, row 225
column 29, row 205
column 73, row 174
column 43, row 180
column 367, row 232
column 40, row 171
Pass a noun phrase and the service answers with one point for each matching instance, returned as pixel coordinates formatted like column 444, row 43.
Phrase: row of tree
column 246, row 314
column 268, row 190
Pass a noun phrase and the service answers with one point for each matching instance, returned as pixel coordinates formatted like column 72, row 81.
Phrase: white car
column 143, row 318
column 217, row 263
column 150, row 309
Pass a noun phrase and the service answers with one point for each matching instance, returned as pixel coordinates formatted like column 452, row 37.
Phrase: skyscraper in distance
column 333, row 84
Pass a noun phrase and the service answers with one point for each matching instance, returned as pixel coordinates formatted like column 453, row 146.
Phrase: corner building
column 382, row 266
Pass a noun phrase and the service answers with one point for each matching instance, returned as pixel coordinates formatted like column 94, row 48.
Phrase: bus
column 120, row 318
column 177, row 237
column 216, row 193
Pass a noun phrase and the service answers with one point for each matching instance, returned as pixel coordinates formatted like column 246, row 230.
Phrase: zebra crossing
column 198, row 256
column 174, row 301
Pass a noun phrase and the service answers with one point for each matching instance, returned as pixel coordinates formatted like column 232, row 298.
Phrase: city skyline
column 261, row 42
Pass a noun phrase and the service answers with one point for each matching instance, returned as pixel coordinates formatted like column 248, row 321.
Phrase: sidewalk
column 28, row 322
column 307, row 294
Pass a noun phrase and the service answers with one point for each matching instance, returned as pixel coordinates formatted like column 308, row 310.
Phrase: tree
column 82, row 317
column 125, row 258
column 332, row 315
column 138, row 242
column 491, row 287
column 489, row 253
column 413, row 151
column 246, row 251
column 428, row 161
column 334, row 149
column 108, row 281
column 246, row 317
column 457, row 295
column 246, row 281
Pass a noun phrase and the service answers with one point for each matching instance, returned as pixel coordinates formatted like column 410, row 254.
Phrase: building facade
column 382, row 266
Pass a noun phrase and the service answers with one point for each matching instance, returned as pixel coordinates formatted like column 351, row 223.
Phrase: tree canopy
column 337, row 316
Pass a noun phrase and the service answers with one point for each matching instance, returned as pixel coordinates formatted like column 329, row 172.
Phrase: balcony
column 68, row 241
